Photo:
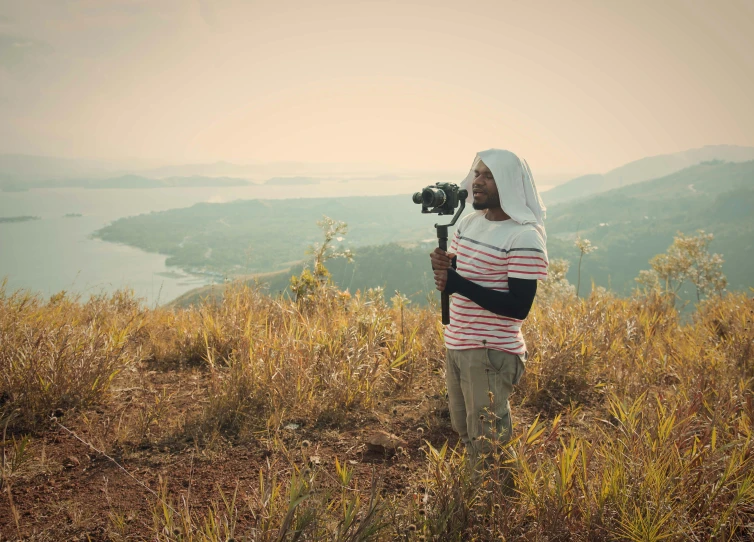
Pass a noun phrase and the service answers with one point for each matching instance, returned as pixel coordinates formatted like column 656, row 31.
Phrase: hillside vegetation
column 645, row 169
column 249, row 419
column 390, row 267
column 629, row 225
column 257, row 236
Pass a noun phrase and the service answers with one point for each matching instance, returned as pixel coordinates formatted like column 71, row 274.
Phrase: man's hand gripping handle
column 441, row 262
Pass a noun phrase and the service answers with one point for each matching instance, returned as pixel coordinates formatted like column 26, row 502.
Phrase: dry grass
column 62, row 353
column 271, row 359
column 639, row 426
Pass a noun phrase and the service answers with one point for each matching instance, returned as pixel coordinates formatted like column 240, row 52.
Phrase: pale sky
column 572, row 86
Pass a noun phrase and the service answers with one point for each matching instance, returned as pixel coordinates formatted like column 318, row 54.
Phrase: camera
column 442, row 198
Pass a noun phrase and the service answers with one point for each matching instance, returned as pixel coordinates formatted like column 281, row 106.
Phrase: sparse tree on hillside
column 585, row 246
column 687, row 259
column 310, row 281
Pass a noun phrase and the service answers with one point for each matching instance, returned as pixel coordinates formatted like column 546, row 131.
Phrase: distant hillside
column 20, row 171
column 632, row 224
column 194, row 181
column 124, row 181
column 26, row 168
column 392, row 267
column 645, row 169
column 288, row 181
column 137, row 181
column 258, row 236
column 216, row 291
column 23, row 218
column 22, row 168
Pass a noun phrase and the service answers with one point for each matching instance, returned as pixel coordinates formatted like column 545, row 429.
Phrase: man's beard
column 488, row 204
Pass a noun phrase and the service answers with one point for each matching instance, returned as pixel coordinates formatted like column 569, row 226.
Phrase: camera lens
column 433, row 197
column 417, row 197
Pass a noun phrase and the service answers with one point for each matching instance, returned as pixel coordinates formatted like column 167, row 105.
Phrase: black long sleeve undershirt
column 515, row 303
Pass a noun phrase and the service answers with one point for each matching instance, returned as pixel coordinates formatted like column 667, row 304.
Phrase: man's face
column 484, row 189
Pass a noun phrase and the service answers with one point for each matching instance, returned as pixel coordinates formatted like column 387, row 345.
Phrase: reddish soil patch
column 68, row 491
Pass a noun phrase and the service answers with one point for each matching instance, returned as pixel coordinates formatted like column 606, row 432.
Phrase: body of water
column 58, row 253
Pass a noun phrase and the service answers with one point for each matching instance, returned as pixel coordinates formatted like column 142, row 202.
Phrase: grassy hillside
column 258, row 418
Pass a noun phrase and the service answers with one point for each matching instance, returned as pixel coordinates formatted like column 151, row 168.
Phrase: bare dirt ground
column 68, row 491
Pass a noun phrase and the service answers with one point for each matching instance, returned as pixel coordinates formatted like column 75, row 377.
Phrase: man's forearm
column 515, row 303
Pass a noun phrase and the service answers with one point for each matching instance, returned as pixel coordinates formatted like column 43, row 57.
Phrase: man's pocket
column 505, row 363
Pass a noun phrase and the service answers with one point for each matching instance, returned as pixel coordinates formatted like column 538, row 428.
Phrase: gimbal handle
column 442, row 239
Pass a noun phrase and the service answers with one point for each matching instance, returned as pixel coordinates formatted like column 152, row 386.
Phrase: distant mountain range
column 20, row 170
column 652, row 167
column 124, row 181
column 137, row 181
column 292, row 181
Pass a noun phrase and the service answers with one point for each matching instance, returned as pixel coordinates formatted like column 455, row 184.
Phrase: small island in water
column 18, row 218
column 72, row 215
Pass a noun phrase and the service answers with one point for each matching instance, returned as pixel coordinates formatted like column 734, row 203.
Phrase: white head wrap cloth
column 515, row 185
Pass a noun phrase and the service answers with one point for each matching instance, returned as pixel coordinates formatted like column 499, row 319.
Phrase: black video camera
column 442, row 198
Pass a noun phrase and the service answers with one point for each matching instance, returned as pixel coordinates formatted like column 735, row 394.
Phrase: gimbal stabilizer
column 442, row 239
column 442, row 198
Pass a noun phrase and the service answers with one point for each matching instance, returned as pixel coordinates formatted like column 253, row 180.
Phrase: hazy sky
column 573, row 86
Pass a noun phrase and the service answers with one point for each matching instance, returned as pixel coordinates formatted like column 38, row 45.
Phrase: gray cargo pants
column 479, row 381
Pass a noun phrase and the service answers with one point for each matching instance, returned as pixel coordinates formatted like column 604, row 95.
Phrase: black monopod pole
column 442, row 239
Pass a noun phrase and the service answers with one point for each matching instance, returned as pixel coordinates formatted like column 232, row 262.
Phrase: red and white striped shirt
column 488, row 252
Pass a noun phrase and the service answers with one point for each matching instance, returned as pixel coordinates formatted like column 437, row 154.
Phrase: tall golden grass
column 633, row 424
column 62, row 353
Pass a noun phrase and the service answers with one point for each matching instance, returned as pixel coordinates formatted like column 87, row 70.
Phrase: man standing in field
column 496, row 257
